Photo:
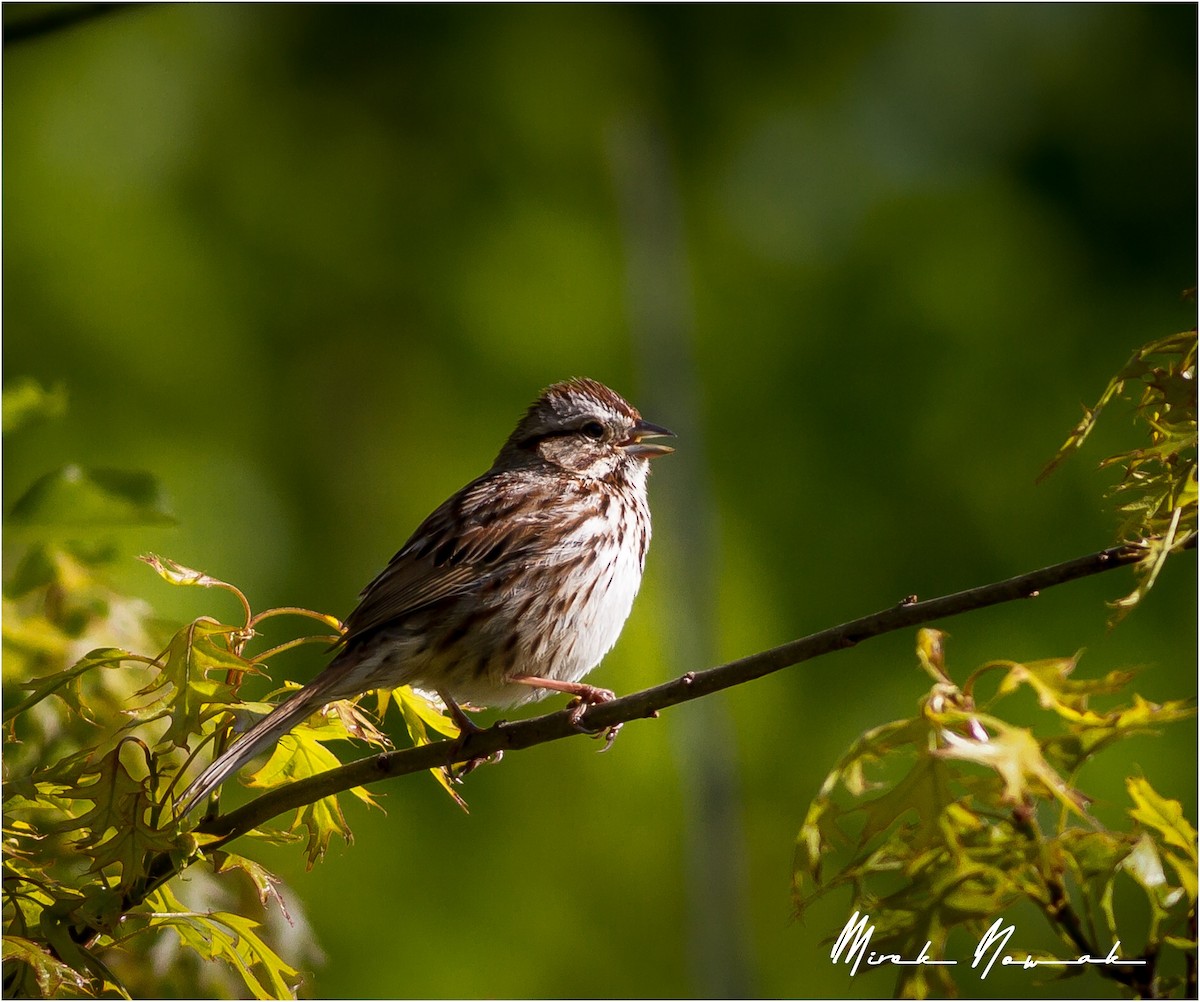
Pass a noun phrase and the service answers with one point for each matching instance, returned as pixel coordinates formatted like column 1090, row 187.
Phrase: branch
column 505, row 736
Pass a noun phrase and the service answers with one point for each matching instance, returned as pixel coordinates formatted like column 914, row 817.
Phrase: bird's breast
column 598, row 587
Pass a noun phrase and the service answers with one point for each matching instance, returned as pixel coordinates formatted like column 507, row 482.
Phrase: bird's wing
column 473, row 536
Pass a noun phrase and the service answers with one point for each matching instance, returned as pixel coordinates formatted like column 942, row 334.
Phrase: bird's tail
column 274, row 725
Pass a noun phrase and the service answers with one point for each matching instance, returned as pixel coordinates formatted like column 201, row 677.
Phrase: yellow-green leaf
column 1161, row 815
column 51, row 975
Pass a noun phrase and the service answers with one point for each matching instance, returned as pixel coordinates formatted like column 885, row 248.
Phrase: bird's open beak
column 635, row 446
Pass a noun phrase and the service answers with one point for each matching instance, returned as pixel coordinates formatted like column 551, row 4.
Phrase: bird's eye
column 593, row 430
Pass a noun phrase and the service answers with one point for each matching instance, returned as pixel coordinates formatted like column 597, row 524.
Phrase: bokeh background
column 307, row 264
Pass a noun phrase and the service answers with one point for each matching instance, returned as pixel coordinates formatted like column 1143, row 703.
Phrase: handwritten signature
column 855, row 939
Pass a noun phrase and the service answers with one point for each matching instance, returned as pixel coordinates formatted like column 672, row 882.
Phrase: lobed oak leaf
column 1161, row 815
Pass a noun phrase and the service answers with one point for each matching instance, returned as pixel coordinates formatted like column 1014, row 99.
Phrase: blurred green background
column 308, row 264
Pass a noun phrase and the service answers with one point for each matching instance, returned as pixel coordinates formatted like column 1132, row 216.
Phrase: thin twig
column 692, row 685
column 554, row 726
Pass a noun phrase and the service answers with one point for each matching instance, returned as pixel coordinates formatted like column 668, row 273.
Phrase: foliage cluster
column 90, row 834
column 1156, row 494
column 984, row 813
column 101, row 742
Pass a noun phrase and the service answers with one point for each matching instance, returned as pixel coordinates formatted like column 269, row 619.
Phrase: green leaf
column 247, row 949
column 27, row 402
column 1016, row 757
column 299, row 755
column 946, row 823
column 823, row 830
column 228, row 937
column 931, row 654
column 185, row 691
column 118, row 828
column 106, row 657
column 1158, row 492
column 420, row 715
column 349, row 720
column 177, row 574
column 108, row 792
column 1094, row 732
column 75, row 498
column 263, row 880
column 58, row 935
column 52, row 976
column 1057, row 690
column 1094, row 859
column 1144, row 865
column 1161, row 815
column 1185, row 869
column 921, row 795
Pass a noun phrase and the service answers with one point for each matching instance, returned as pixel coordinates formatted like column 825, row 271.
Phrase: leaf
column 76, row 498
column 27, row 402
column 52, row 975
column 263, row 880
column 1016, row 757
column 185, row 687
column 419, row 713
column 1090, row 734
column 1161, row 815
column 1056, row 689
column 931, row 653
column 1182, row 344
column 945, row 824
column 245, row 949
column 1094, row 858
column 121, row 806
column 229, row 937
column 298, row 755
column 1144, row 864
column 355, row 723
column 1148, row 568
column 909, row 827
column 112, row 786
column 923, row 793
column 177, row 574
column 58, row 935
column 106, row 657
column 1185, row 869
column 1158, row 492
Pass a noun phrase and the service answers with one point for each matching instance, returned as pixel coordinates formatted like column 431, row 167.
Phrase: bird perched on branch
column 518, row 585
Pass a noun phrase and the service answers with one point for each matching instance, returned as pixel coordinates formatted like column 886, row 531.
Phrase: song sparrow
column 517, row 585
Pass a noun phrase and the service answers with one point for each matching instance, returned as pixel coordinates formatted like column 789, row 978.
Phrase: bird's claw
column 593, row 696
column 610, row 735
column 467, row 729
column 590, row 695
column 456, row 774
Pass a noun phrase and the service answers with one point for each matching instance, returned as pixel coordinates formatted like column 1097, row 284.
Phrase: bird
column 516, row 586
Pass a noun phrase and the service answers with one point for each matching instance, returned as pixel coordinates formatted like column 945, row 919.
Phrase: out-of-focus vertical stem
column 661, row 326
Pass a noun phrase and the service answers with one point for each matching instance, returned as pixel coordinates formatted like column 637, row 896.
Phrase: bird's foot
column 458, row 772
column 585, row 696
column 467, row 729
column 591, row 695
